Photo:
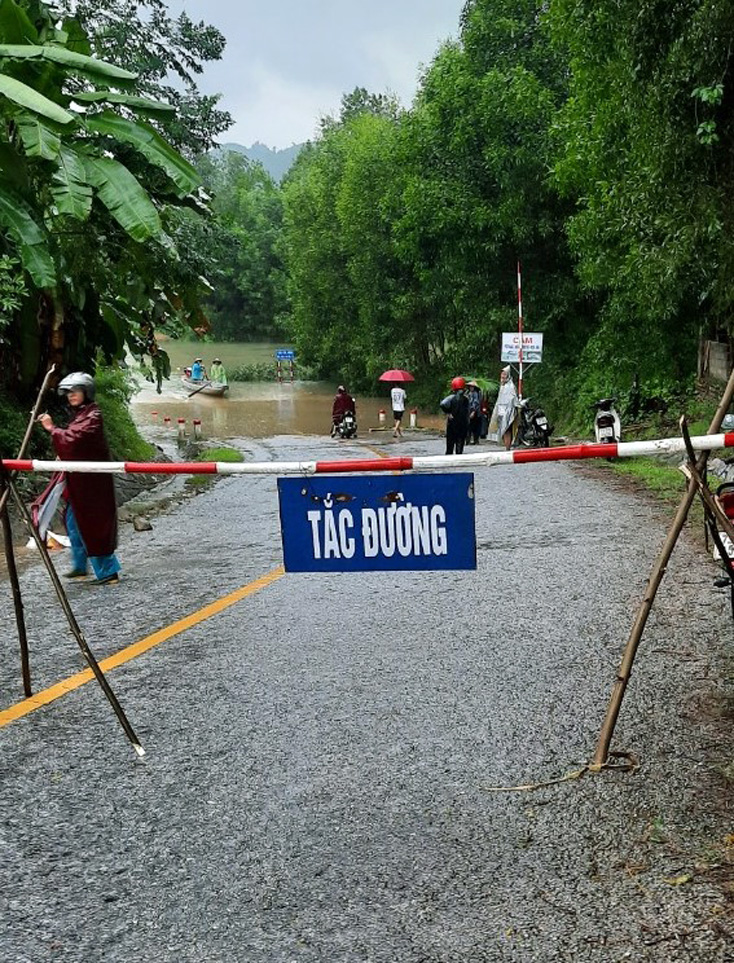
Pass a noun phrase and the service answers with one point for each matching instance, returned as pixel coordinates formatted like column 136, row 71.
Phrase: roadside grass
column 212, row 454
column 664, row 481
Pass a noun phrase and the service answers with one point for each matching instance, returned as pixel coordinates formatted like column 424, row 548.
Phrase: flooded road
column 261, row 409
column 257, row 409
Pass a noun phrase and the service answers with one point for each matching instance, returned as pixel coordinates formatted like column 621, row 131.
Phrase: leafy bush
column 267, row 371
column 115, row 388
column 12, row 428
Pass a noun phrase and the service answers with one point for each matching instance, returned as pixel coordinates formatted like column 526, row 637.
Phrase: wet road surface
column 318, row 752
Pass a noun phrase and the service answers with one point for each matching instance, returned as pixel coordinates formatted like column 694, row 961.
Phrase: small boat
column 206, row 387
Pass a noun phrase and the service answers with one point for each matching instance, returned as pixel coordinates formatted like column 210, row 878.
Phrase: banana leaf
column 77, row 62
column 150, row 144
column 25, row 96
column 38, row 139
column 485, row 384
column 71, row 192
column 15, row 24
column 123, row 197
column 16, row 217
column 156, row 108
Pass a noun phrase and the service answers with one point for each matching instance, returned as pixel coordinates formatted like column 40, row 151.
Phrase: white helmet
column 78, row 381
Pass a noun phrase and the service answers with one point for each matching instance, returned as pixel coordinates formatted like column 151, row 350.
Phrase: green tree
column 645, row 142
column 80, row 195
column 248, row 299
column 144, row 38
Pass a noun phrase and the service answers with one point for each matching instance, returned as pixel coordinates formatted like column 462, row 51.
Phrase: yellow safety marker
column 45, row 696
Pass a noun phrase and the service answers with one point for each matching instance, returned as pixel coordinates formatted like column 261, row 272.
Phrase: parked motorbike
column 607, row 426
column 346, row 428
column 534, row 430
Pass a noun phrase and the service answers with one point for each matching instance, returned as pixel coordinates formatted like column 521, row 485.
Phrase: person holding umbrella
column 397, row 376
column 397, row 400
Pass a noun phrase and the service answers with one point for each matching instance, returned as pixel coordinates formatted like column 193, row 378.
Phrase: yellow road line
column 132, row 651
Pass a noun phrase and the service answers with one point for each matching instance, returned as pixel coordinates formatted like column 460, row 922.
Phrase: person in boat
column 343, row 402
column 198, row 372
column 217, row 373
column 91, row 511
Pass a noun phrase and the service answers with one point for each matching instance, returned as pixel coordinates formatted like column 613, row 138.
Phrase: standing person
column 503, row 416
column 217, row 372
column 197, row 370
column 456, row 406
column 475, row 412
column 397, row 400
column 91, row 512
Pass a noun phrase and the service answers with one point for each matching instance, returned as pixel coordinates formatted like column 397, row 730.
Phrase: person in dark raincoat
column 91, row 511
column 456, row 406
column 343, row 402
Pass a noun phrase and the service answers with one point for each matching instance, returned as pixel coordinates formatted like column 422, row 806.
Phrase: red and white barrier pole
column 519, row 325
column 525, row 456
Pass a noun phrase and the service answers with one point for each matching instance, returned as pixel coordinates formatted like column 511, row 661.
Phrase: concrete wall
column 714, row 360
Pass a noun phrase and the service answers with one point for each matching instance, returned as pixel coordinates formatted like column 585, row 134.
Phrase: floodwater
column 254, row 409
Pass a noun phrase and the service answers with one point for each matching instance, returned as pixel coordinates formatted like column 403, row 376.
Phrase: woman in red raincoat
column 91, row 511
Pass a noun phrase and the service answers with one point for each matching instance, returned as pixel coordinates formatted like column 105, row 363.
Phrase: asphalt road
column 319, row 752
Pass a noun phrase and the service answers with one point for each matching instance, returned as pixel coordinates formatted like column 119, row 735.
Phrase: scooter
column 534, row 430
column 607, row 426
column 346, row 428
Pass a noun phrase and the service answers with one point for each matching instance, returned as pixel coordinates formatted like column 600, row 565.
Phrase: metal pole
column 656, row 577
column 74, row 625
column 519, row 324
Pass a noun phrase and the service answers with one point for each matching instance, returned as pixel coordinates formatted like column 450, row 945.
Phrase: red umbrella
column 396, row 374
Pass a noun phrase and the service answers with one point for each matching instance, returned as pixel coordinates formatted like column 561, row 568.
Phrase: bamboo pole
column 25, row 662
column 31, row 422
column 656, row 577
column 73, row 624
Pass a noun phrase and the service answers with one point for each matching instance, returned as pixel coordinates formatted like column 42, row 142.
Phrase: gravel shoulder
column 319, row 753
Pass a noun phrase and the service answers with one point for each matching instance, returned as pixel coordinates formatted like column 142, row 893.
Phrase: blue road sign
column 285, row 354
column 351, row 523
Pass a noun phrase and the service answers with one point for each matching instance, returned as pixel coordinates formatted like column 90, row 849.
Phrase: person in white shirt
column 397, row 399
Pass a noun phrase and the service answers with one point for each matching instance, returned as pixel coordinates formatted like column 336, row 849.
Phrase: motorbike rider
column 343, row 402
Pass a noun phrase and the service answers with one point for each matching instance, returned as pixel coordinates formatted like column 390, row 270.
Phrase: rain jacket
column 92, row 496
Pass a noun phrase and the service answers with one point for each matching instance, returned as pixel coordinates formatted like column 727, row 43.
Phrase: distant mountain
column 275, row 162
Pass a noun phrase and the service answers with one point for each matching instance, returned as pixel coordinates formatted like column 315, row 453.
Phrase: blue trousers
column 102, row 565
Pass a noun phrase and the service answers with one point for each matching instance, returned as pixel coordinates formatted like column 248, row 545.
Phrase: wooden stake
column 656, row 577
column 73, row 624
column 25, row 662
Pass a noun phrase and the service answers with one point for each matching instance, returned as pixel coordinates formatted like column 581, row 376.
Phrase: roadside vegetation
column 222, row 453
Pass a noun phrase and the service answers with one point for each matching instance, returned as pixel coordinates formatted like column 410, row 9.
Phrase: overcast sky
column 288, row 62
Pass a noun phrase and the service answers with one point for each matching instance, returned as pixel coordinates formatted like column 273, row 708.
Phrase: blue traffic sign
column 285, row 354
column 353, row 523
